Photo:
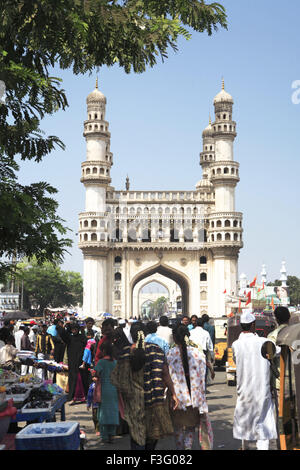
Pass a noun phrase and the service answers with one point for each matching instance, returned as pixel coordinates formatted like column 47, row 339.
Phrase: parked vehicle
column 289, row 376
column 220, row 349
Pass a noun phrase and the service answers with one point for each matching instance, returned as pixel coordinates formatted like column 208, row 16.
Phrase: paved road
column 221, row 401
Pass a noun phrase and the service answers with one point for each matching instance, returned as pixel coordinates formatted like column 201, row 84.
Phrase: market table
column 40, row 416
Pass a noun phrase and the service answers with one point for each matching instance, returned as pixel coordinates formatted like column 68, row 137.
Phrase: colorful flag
column 272, row 304
column 224, row 291
column 249, row 298
column 253, row 282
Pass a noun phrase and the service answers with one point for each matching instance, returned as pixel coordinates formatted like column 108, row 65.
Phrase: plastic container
column 18, row 397
column 26, row 408
column 49, row 436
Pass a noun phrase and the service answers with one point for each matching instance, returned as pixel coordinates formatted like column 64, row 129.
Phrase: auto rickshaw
column 264, row 324
column 220, row 349
column 289, row 392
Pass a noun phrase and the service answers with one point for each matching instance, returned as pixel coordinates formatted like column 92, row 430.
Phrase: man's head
column 122, row 323
column 75, row 328
column 164, row 321
column 247, row 321
column 205, row 318
column 185, row 320
column 89, row 323
column 194, row 320
column 282, row 315
column 44, row 328
column 26, row 330
column 107, row 327
column 200, row 322
column 151, row 327
column 10, row 340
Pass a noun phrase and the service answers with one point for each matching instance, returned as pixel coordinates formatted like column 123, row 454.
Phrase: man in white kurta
column 254, row 416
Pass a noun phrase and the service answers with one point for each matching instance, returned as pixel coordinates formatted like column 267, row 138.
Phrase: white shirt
column 166, row 333
column 202, row 337
column 18, row 336
column 254, row 416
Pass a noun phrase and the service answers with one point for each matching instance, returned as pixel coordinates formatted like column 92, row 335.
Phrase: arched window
column 227, row 236
column 235, row 237
column 146, row 235
column 202, row 235
column 203, row 260
column 94, row 237
column 132, row 235
column 94, row 223
column 188, row 235
column 174, row 235
column 87, row 172
column 94, row 170
column 118, row 277
column 86, row 223
column 203, row 277
column 219, row 236
column 226, row 170
column 212, row 238
column 118, row 260
column 212, row 224
column 219, row 223
column 117, row 295
column 227, row 223
column 85, row 237
column 235, row 223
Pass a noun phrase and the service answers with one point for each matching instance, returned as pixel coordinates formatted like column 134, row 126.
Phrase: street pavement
column 221, row 402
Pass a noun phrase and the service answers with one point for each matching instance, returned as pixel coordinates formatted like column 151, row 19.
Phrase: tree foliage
column 36, row 36
column 47, row 285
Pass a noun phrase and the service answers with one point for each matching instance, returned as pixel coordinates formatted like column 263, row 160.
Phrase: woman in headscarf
column 75, row 342
column 141, row 376
column 187, row 368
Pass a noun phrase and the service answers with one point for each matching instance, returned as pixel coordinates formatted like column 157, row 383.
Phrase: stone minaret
column 93, row 230
column 225, row 224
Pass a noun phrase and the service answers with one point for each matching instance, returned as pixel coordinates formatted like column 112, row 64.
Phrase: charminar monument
column 130, row 237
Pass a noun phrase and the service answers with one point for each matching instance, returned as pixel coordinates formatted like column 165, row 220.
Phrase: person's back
column 152, row 337
column 208, row 327
column 254, row 416
column 164, row 331
column 18, row 337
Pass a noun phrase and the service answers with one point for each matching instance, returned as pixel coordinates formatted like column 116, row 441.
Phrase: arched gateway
column 191, row 237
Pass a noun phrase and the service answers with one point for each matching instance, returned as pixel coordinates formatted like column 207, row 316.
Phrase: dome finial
column 209, row 119
column 223, row 84
column 97, row 83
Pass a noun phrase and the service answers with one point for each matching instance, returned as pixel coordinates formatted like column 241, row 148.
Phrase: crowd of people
column 149, row 379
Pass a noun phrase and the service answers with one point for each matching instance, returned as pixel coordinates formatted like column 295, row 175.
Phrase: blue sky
column 157, row 118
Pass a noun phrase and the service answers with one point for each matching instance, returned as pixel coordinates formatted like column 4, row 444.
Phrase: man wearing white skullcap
column 254, row 415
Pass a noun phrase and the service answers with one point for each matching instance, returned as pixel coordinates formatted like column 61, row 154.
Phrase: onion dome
column 204, row 183
column 208, row 131
column 223, row 96
column 96, row 96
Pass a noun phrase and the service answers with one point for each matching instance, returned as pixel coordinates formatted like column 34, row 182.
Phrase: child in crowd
column 93, row 400
column 88, row 354
column 108, row 411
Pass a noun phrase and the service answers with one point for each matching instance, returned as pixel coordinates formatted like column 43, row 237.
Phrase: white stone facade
column 190, row 237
